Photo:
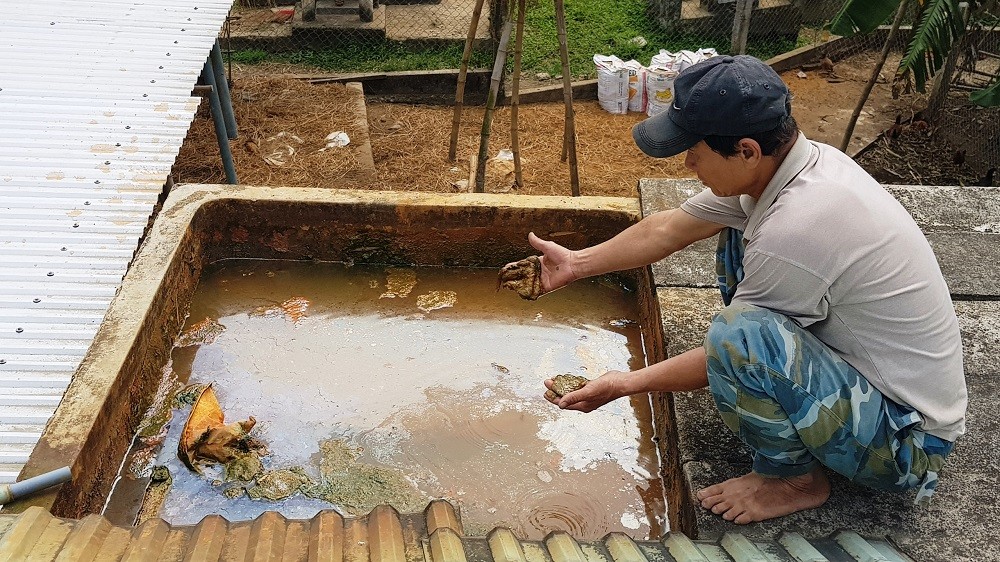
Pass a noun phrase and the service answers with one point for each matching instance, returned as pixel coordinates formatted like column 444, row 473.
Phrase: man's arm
column 649, row 240
column 687, row 371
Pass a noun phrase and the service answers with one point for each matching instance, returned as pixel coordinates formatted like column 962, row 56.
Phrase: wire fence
column 356, row 36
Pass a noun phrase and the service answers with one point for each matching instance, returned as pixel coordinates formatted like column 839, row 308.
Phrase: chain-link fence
column 366, row 36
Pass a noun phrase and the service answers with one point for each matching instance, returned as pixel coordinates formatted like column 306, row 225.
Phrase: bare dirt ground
column 284, row 123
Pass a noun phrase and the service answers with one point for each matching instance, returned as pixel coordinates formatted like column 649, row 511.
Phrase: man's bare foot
column 753, row 497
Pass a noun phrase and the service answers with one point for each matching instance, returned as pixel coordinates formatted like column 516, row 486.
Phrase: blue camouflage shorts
column 796, row 403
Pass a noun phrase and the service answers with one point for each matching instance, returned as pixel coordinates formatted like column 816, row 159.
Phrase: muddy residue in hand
column 436, row 299
column 293, row 308
column 523, row 277
column 359, row 487
column 277, row 485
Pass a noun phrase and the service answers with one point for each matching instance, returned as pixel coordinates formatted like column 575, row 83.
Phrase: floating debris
column 358, row 487
column 160, row 482
column 399, row 282
column 436, row 299
column 207, row 437
column 277, row 485
column 201, row 333
column 294, row 309
column 245, row 468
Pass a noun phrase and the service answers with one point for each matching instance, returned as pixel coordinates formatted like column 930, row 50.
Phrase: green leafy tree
column 940, row 28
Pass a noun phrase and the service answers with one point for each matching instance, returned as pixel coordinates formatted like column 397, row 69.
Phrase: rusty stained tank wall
column 94, row 425
column 379, row 233
column 103, row 428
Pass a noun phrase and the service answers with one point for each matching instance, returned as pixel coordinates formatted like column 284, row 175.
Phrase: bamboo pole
column 846, row 141
column 460, row 90
column 515, row 95
column 569, row 134
column 491, row 102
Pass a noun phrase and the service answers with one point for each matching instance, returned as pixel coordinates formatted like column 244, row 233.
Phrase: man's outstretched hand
column 557, row 263
column 592, row 396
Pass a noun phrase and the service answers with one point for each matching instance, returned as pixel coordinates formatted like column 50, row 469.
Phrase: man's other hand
column 592, row 396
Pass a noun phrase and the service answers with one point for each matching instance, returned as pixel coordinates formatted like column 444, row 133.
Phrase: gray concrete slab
column 964, row 519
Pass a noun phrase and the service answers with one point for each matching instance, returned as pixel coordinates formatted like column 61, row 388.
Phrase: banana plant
column 940, row 26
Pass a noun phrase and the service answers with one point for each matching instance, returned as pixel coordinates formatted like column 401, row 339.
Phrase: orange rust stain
column 279, row 241
column 102, row 148
column 295, row 308
column 55, row 176
column 240, row 235
column 131, row 149
column 161, row 107
column 109, row 113
column 75, row 213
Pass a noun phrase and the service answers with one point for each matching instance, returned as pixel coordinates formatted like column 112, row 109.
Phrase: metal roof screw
column 86, row 202
column 50, row 274
column 182, row 29
column 161, row 67
column 118, row 144
column 97, row 181
column 19, row 330
column 36, row 300
column 145, row 95
column 130, row 126
column 76, row 225
column 152, row 81
column 52, row 23
column 3, row 361
column 63, row 249
column 107, row 162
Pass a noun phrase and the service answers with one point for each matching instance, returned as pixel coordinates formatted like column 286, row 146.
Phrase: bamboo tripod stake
column 569, row 130
column 460, row 90
column 491, row 102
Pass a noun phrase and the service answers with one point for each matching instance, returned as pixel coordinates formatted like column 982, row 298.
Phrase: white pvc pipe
column 11, row 492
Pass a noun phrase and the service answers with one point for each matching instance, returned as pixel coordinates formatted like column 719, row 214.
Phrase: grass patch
column 593, row 26
column 373, row 57
column 608, row 28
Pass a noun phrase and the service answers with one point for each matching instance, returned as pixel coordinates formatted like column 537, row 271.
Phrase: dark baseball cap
column 725, row 96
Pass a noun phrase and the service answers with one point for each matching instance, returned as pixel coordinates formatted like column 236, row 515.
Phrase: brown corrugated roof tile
column 207, row 539
column 504, row 546
column 446, row 546
column 147, row 541
column 440, row 513
column 86, row 539
column 267, row 537
column 563, row 547
column 385, row 535
column 24, row 534
column 623, row 549
column 326, row 537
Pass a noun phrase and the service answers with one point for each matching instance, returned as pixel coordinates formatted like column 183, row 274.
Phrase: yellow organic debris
column 206, row 435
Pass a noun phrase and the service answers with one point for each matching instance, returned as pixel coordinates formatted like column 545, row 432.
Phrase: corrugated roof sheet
column 384, row 535
column 95, row 101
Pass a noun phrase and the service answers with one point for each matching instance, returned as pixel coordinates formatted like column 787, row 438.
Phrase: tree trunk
column 900, row 12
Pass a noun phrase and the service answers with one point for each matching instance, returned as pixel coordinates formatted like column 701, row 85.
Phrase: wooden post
column 741, row 26
column 460, row 90
column 846, row 141
column 515, row 95
column 491, row 102
column 570, row 129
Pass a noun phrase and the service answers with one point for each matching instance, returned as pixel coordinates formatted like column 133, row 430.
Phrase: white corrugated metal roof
column 95, row 101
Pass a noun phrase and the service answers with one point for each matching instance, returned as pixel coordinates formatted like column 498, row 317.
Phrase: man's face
column 726, row 177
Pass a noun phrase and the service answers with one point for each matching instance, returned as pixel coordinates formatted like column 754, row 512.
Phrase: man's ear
column 750, row 151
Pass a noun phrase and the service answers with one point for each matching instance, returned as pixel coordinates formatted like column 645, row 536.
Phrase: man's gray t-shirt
column 829, row 247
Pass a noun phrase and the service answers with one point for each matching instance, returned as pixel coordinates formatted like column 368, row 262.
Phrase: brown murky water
column 427, row 372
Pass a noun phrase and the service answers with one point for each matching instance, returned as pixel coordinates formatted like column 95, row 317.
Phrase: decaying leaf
column 206, row 435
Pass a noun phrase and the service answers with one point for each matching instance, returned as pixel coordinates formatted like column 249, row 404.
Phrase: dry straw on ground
column 410, row 144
